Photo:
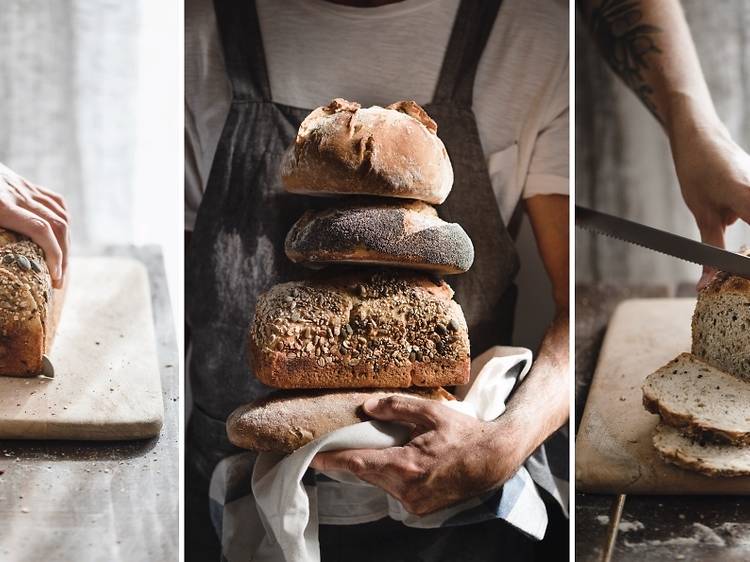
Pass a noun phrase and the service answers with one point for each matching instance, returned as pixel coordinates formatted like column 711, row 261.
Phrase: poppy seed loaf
column 721, row 324
column 385, row 232
column 375, row 329
column 287, row 420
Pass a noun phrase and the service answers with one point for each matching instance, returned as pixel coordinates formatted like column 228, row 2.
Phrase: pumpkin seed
column 9, row 258
column 23, row 263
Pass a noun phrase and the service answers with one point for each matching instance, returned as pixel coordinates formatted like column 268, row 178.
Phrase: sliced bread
column 707, row 458
column 721, row 324
column 700, row 399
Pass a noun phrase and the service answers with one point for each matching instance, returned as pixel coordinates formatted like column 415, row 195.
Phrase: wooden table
column 646, row 528
column 94, row 501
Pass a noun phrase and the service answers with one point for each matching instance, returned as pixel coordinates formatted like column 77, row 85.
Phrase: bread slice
column 381, row 329
column 705, row 457
column 346, row 149
column 382, row 232
column 700, row 399
column 287, row 420
column 721, row 324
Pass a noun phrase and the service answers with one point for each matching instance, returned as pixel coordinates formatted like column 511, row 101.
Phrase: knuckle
column 58, row 226
column 355, row 465
column 39, row 226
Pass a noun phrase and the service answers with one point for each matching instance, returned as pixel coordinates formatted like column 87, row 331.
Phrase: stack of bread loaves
column 354, row 332
column 703, row 397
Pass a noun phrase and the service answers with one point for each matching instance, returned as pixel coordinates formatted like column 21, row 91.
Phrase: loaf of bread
column 711, row 459
column 382, row 329
column 27, row 315
column 721, row 324
column 700, row 400
column 383, row 232
column 287, row 420
column 345, row 149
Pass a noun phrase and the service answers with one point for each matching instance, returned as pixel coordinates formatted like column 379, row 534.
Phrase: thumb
column 417, row 411
column 712, row 232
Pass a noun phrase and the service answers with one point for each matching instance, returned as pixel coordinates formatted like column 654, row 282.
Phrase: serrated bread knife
column 661, row 241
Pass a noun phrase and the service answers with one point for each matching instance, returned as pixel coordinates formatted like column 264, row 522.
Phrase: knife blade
column 661, row 241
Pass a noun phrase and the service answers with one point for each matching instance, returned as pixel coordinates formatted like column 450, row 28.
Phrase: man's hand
column 714, row 174
column 38, row 213
column 451, row 456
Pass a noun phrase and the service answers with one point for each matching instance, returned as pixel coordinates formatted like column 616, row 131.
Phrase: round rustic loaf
column 382, row 232
column 391, row 151
column 379, row 329
column 287, row 420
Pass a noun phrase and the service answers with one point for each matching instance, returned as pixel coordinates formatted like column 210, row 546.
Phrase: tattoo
column 626, row 42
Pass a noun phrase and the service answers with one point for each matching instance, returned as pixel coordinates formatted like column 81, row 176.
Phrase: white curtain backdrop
column 623, row 162
column 90, row 106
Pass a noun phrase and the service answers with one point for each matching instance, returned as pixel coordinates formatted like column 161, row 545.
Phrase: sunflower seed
column 348, row 329
column 23, row 263
column 453, row 325
column 440, row 329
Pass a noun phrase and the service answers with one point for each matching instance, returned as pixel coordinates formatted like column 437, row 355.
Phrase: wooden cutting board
column 614, row 452
column 106, row 384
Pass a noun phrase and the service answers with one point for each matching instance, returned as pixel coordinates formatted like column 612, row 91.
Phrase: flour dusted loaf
column 702, row 456
column 381, row 329
column 289, row 419
column 381, row 231
column 26, row 312
column 721, row 324
column 346, row 149
column 699, row 399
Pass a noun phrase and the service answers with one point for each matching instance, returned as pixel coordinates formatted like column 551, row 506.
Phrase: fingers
column 356, row 461
column 40, row 231
column 712, row 232
column 57, row 220
column 417, row 411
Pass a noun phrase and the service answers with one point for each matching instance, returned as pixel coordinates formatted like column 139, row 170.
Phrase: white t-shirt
column 317, row 50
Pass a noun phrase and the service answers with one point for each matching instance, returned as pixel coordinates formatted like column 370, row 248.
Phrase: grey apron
column 237, row 248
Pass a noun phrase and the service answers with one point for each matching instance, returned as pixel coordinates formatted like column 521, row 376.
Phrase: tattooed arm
column 648, row 44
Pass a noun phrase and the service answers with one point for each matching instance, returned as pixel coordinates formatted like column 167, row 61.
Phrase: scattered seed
column 35, row 266
column 321, row 362
column 23, row 263
column 453, row 325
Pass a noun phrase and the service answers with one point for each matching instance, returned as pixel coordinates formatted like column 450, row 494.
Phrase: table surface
column 646, row 528
column 93, row 501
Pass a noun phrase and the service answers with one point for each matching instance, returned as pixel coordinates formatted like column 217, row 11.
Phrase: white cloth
column 285, row 526
column 317, row 50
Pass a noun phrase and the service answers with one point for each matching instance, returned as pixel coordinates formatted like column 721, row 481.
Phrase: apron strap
column 242, row 43
column 471, row 29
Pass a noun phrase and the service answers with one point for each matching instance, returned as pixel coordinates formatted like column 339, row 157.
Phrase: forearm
column 648, row 44
column 540, row 405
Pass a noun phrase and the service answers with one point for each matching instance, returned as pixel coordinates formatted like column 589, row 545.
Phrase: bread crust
column 381, row 231
column 391, row 151
column 26, row 305
column 379, row 329
column 287, row 420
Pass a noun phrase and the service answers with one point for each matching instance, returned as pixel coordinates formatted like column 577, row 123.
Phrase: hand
column 451, row 456
column 714, row 174
column 38, row 213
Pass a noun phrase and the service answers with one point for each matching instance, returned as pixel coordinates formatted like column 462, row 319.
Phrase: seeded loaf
column 381, row 231
column 701, row 456
column 391, row 151
column 382, row 329
column 27, row 315
column 721, row 324
column 289, row 419
column 700, row 400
